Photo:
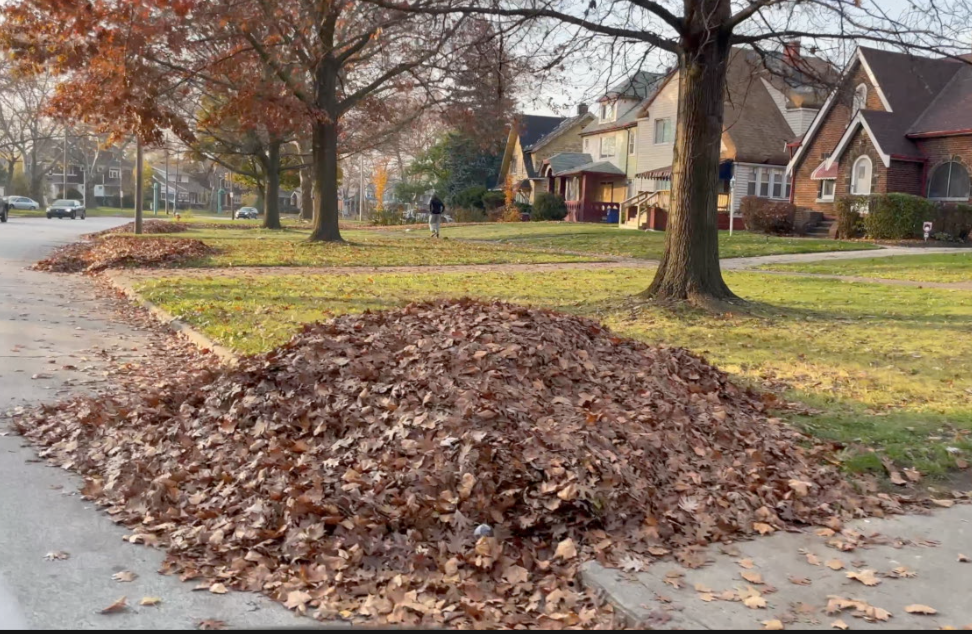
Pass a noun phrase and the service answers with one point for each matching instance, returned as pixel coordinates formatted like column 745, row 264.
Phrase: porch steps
column 822, row 230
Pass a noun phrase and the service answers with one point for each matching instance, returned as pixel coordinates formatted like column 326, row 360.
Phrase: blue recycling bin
column 612, row 216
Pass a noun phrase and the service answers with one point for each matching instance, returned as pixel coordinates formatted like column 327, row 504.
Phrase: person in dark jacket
column 436, row 209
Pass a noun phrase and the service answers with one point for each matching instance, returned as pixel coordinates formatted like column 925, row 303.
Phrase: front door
column 605, row 192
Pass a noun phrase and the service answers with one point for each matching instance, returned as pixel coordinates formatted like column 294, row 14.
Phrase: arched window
column 949, row 181
column 860, row 99
column 861, row 177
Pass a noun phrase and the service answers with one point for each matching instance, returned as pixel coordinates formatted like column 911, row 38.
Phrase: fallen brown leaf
column 150, row 601
column 120, row 605
column 835, row 564
column 902, row 572
column 126, row 576
column 867, row 577
column 812, row 559
column 217, row 588
column 755, row 603
column 839, row 625
column 963, row 559
column 762, row 528
column 57, row 555
column 799, row 581
column 746, row 563
column 752, row 577
column 825, row 532
column 566, row 550
column 947, row 504
column 920, row 609
column 773, row 624
column 211, row 624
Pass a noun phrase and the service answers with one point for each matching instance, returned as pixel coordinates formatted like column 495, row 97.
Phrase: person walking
column 436, row 209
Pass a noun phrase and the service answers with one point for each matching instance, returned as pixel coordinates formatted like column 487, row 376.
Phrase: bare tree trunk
column 325, row 136
column 689, row 270
column 271, row 216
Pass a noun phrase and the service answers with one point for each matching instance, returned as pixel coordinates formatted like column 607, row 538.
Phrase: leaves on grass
column 125, row 576
column 867, row 577
column 343, row 460
column 920, row 609
column 121, row 605
column 115, row 252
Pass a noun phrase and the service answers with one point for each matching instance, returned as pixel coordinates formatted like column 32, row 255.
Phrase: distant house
column 534, row 138
column 894, row 123
column 595, row 180
column 183, row 186
column 109, row 180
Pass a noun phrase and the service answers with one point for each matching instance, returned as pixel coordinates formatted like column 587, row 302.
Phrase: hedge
column 768, row 216
column 548, row 206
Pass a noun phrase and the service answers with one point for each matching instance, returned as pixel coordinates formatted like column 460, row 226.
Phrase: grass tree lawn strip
column 940, row 267
column 879, row 366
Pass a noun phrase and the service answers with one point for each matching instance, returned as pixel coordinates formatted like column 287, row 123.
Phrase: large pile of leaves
column 120, row 251
column 445, row 464
column 148, row 227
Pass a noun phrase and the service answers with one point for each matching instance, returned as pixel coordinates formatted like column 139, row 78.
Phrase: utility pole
column 64, row 169
column 178, row 165
column 167, row 179
column 138, row 186
column 361, row 191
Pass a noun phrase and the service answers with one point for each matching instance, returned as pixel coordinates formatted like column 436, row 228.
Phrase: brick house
column 894, row 123
column 533, row 139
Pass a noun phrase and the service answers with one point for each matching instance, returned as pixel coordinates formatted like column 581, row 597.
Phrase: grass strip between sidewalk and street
column 938, row 267
column 877, row 366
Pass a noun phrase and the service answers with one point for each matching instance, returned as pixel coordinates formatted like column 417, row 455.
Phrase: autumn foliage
column 446, row 464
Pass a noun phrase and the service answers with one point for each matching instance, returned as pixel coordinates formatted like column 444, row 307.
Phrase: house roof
column 630, row 117
column 564, row 161
column 564, row 127
column 951, row 110
column 639, row 85
column 599, row 167
column 533, row 127
column 754, row 129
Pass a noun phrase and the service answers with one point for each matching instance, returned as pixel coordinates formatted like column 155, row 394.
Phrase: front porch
column 593, row 191
column 648, row 210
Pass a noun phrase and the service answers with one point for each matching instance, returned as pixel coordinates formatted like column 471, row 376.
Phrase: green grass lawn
column 289, row 247
column 611, row 240
column 938, row 267
column 884, row 367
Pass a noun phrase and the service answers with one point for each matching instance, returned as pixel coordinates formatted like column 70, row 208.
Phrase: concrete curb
column 193, row 336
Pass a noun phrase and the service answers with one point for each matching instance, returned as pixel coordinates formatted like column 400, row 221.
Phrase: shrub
column 386, row 217
column 470, row 198
column 953, row 222
column 465, row 214
column 897, row 216
column 768, row 216
column 549, row 207
column 493, row 200
column 850, row 223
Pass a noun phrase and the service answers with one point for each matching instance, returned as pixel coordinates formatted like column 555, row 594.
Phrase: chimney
column 791, row 50
column 581, row 109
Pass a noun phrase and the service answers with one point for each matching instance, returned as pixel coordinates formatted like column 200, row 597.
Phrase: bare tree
column 700, row 34
column 27, row 134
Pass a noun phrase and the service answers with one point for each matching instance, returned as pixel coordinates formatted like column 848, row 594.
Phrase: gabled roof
column 598, row 167
column 533, row 127
column 629, row 118
column 951, row 111
column 639, row 85
column 565, row 126
column 564, row 161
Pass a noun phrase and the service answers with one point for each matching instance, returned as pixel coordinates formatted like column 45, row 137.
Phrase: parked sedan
column 66, row 209
column 22, row 202
column 247, row 213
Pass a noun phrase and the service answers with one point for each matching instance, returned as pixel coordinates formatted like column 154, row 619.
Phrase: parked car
column 247, row 213
column 22, row 202
column 66, row 209
column 3, row 210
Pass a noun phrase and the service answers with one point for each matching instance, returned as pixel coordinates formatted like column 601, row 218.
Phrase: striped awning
column 823, row 173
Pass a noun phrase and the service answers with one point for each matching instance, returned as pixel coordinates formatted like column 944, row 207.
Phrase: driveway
column 57, row 337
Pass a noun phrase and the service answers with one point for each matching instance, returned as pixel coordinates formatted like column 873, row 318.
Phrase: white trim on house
column 825, row 110
column 849, row 134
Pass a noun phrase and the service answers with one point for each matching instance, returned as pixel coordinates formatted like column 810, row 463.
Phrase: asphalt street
column 53, row 331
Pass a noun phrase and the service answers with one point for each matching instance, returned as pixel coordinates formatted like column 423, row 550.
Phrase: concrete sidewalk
column 942, row 582
column 735, row 264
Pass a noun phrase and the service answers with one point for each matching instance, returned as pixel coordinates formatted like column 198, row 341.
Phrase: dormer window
column 609, row 110
column 860, row 100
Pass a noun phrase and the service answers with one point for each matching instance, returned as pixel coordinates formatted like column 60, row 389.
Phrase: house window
column 949, row 181
column 664, row 131
column 768, row 182
column 608, row 145
column 114, row 173
column 608, row 110
column 861, row 177
column 860, row 100
column 825, row 189
column 184, row 179
column 631, row 141
column 573, row 188
column 513, row 165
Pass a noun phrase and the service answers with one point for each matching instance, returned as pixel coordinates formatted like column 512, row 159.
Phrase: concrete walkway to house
column 736, row 264
column 916, row 560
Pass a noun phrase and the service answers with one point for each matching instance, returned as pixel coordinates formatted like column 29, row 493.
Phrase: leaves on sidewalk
column 920, row 609
column 125, row 576
column 57, row 555
column 867, row 577
column 150, row 601
column 121, row 605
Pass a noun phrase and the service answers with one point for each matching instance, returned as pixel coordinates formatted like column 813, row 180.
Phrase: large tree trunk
column 689, row 269
column 325, row 137
column 271, row 216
